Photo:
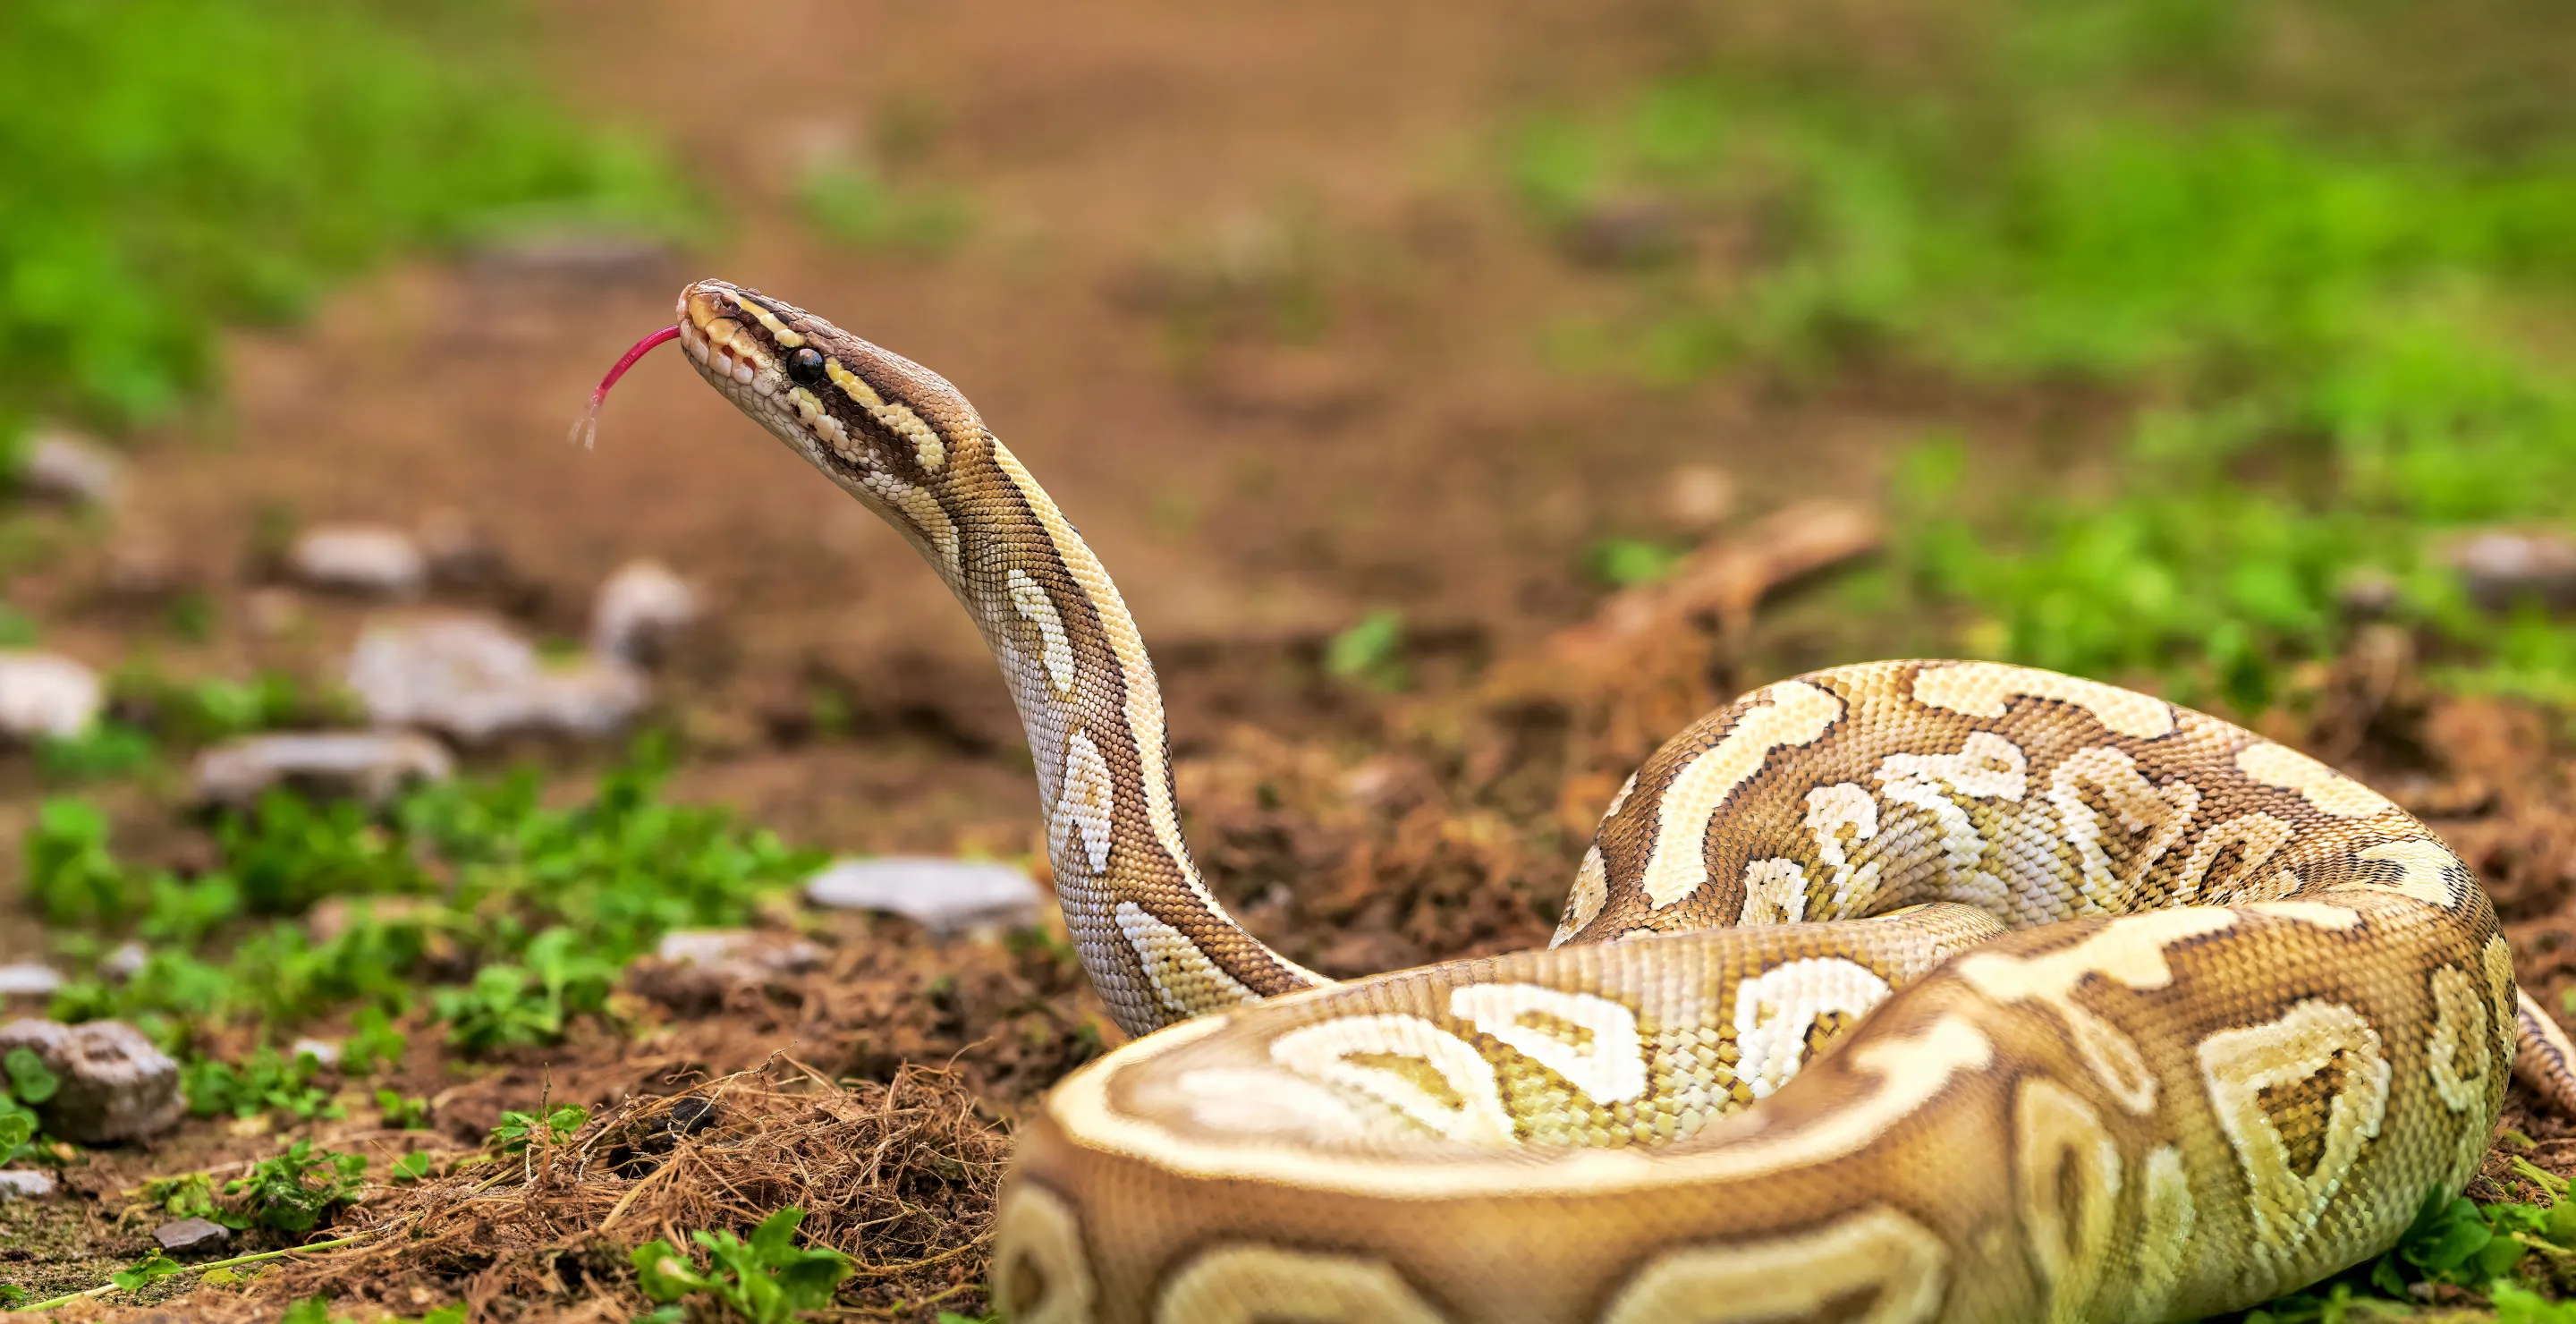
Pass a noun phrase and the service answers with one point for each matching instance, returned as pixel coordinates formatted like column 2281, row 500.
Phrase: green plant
column 2318, row 353
column 183, row 914
column 768, row 1279
column 24, row 1080
column 188, row 1195
column 294, row 1190
column 143, row 1273
column 30, row 1080
column 372, row 1042
column 853, row 203
column 518, row 1130
column 71, row 877
column 288, row 852
column 526, row 1004
column 17, row 1132
column 619, row 871
column 550, row 901
column 1625, row 562
column 107, row 749
column 1371, row 651
column 166, row 178
column 403, row 1112
column 17, row 629
column 264, row 1081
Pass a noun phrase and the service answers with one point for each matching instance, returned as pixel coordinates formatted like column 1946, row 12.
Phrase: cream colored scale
column 2132, row 1015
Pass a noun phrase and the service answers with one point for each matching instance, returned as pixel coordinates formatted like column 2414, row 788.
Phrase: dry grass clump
column 901, row 1176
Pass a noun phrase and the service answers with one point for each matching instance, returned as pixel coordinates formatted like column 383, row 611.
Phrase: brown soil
column 1246, row 289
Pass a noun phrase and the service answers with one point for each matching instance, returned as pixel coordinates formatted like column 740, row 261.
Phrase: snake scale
column 2133, row 1014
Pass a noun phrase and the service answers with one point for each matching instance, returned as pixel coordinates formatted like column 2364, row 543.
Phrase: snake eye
column 805, row 366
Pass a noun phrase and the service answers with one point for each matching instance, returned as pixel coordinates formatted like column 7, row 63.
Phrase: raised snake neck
column 2136, row 1015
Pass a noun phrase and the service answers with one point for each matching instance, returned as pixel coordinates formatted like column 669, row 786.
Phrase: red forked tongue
column 585, row 429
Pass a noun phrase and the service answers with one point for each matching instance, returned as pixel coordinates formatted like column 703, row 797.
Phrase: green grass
column 2315, row 348
column 853, row 203
column 175, row 165
column 768, row 1279
column 540, row 906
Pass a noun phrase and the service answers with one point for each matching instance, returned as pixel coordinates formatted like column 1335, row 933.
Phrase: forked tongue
column 585, row 429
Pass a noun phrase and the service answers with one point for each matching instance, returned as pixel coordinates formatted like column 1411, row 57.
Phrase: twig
column 633, row 1191
column 889, row 1270
column 105, row 1288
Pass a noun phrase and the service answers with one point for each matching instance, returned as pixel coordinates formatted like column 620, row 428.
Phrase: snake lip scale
column 1901, row 992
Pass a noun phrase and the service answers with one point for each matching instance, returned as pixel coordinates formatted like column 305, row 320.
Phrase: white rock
column 69, row 467
column 718, row 947
column 699, row 969
column 46, row 694
column 187, row 1234
column 473, row 679
column 25, row 1184
column 28, row 979
column 359, row 558
column 2499, row 566
column 701, row 946
column 640, row 609
column 125, row 962
column 1698, row 496
column 942, row 895
column 371, row 765
column 457, row 549
column 114, row 1084
column 324, row 1051
column 583, row 255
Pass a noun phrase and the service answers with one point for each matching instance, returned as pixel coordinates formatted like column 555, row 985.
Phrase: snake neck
column 1153, row 939
column 909, row 446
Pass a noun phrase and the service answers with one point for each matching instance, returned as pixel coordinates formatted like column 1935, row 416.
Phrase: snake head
column 883, row 427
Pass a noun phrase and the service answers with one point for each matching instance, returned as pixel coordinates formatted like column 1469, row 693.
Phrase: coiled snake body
column 2134, row 1014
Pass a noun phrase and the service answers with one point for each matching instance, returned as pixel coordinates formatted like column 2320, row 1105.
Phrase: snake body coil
column 2134, row 1014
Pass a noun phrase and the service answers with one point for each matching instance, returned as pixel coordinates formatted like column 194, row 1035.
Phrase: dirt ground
column 1246, row 289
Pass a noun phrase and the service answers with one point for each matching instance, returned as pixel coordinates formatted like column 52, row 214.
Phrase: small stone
column 588, row 256
column 326, row 1052
column 789, row 956
column 141, row 566
column 458, row 550
column 332, row 916
column 1391, row 783
column 1626, row 232
column 688, row 1116
column 187, row 1234
column 45, row 694
column 275, row 611
column 640, row 610
column 2503, row 566
column 115, row 1084
column 943, row 895
column 372, row 559
column 369, row 765
column 28, row 979
column 25, row 1184
column 1306, row 385
column 1698, row 496
column 69, row 467
column 2369, row 592
column 473, row 679
column 697, row 969
column 125, row 962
